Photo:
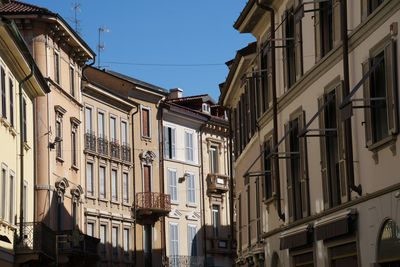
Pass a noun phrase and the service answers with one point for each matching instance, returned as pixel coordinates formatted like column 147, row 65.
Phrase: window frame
column 11, row 98
column 216, row 223
column 214, row 149
column 4, row 195
column 103, row 246
column 93, row 223
column 194, row 239
column 171, row 225
column 125, row 187
column 12, row 201
column 92, row 192
column 170, row 144
column 72, row 80
column 143, row 136
column 57, row 67
column 114, row 188
column 115, row 250
column 172, row 186
column 103, row 186
column 189, row 150
column 189, row 189
column 3, row 92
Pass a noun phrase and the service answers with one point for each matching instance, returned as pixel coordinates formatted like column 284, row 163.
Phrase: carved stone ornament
column 61, row 185
column 76, row 192
column 147, row 157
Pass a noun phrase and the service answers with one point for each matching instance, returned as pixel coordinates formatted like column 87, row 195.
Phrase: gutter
column 274, row 109
column 202, row 193
column 161, row 175
column 231, row 189
column 134, row 185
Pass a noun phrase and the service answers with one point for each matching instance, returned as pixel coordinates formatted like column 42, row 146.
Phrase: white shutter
column 102, row 182
column 172, row 190
column 192, row 239
column 166, row 143
column 191, row 189
column 89, row 176
column 172, row 143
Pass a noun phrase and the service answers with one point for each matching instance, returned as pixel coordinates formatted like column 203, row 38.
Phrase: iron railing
column 74, row 241
column 90, row 141
column 153, row 200
column 102, row 145
column 36, row 238
column 183, row 261
column 126, row 152
column 114, row 149
column 217, row 182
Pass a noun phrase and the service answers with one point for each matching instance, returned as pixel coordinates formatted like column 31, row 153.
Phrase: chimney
column 175, row 93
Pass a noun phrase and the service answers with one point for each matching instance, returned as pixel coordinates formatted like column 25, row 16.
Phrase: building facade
column 21, row 82
column 196, row 174
column 314, row 112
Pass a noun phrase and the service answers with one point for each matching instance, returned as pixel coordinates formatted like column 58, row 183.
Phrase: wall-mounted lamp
column 183, row 178
column 52, row 145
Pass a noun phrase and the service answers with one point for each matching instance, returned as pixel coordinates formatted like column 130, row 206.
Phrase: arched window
column 389, row 245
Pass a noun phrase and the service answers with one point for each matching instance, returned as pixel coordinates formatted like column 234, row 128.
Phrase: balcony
column 150, row 206
column 76, row 246
column 183, row 261
column 217, row 183
column 90, row 141
column 37, row 243
column 126, row 153
column 102, row 145
column 114, row 149
column 216, row 245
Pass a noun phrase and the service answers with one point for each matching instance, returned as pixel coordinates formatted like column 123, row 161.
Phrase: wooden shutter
column 289, row 176
column 317, row 30
column 252, row 108
column 269, row 79
column 324, row 161
column 305, row 197
column 364, row 9
column 391, row 94
column 145, row 122
column 337, row 36
column 298, row 49
column 367, row 102
column 146, row 178
column 284, row 52
column 341, row 135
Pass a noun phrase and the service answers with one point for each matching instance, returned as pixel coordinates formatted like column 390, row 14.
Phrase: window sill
column 126, row 204
column 175, row 202
column 103, row 199
column 74, row 167
column 146, row 138
column 92, row 197
column 381, row 144
column 59, row 159
column 115, row 202
column 26, row 146
column 5, row 122
column 191, row 205
column 13, row 131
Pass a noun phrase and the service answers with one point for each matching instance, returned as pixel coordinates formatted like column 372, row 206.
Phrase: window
column 389, row 244
column 189, row 146
column 90, row 229
column 172, row 185
column 89, row 179
column 192, row 239
column 343, row 255
column 268, row 185
column 11, row 102
column 214, row 159
column 72, row 80
column 103, row 240
column 114, row 185
column 191, row 189
column 369, row 6
column 4, row 192
column 126, row 242
column 25, row 198
column 126, row 187
column 115, row 242
column 292, row 51
column 100, row 124
column 381, row 119
column 3, row 93
column 102, row 176
column 296, row 169
column 206, row 108
column 113, row 129
column 74, row 215
column 11, row 214
column 304, row 260
column 124, row 131
column 73, row 144
column 24, row 119
column 146, row 125
column 265, row 78
column 169, row 142
column 174, row 241
column 57, row 67
column 88, row 118
column 333, row 162
column 59, row 137
column 216, row 220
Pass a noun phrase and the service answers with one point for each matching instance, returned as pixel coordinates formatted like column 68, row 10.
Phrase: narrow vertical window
column 58, row 136
column 88, row 118
column 216, row 220
column 115, row 242
column 214, row 159
column 113, row 130
column 57, row 67
column 3, row 93
column 114, row 185
column 189, row 146
column 102, row 176
column 172, row 185
column 126, row 242
column 191, row 189
column 126, row 187
column 169, row 142
column 267, row 170
column 72, row 80
column 174, row 243
column 12, row 201
column 103, row 240
column 124, row 132
column 192, row 239
column 4, row 193
column 100, row 122
column 74, row 215
column 25, row 198
column 90, row 229
column 11, row 102
column 73, row 144
column 89, row 179
column 24, row 119
column 146, row 127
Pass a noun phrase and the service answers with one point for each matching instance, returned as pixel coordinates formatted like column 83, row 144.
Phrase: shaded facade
column 315, row 157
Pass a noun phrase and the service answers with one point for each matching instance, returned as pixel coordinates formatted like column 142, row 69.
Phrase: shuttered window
column 169, row 142
column 90, row 229
column 3, row 93
column 304, row 260
column 4, row 193
column 191, row 189
column 174, row 239
column 381, row 118
column 297, row 170
column 57, row 67
column 268, row 183
column 192, row 239
column 126, row 241
column 146, row 131
column 189, row 146
column 89, row 179
column 11, row 96
column 172, row 185
column 24, row 119
column 114, row 185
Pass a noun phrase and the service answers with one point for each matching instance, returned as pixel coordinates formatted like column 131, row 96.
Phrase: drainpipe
column 346, row 90
column 274, row 109
column 202, row 193
column 231, row 200
column 21, row 147
column 134, row 185
column 161, row 169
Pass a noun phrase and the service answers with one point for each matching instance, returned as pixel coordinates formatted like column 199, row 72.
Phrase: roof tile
column 21, row 7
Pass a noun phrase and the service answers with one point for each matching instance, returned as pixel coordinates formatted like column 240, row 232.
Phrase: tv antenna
column 76, row 7
column 100, row 46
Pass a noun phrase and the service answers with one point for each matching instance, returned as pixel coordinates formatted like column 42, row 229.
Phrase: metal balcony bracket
column 368, row 99
column 287, row 155
column 299, row 11
column 328, row 132
column 260, row 173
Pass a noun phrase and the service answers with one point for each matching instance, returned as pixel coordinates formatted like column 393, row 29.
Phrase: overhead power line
column 165, row 64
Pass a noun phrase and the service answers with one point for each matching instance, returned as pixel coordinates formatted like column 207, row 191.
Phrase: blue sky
column 169, row 32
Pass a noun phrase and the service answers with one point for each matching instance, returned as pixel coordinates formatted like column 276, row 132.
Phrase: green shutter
column 391, row 95
column 367, row 102
column 289, row 176
column 305, row 196
column 324, row 161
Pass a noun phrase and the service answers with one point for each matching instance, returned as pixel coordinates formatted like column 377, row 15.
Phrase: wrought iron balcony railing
column 126, row 152
column 153, row 201
column 102, row 145
column 74, row 241
column 37, row 238
column 114, row 149
column 217, row 183
column 90, row 141
column 184, row 261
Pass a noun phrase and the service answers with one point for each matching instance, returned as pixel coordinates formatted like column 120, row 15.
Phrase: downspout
column 274, row 108
column 161, row 175
column 21, row 147
column 202, row 198
column 231, row 189
column 134, row 186
column 346, row 91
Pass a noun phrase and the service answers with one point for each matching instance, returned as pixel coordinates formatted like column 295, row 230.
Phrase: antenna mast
column 75, row 20
column 100, row 46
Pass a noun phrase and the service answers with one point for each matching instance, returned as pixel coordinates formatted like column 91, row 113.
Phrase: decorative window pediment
column 193, row 216
column 175, row 214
